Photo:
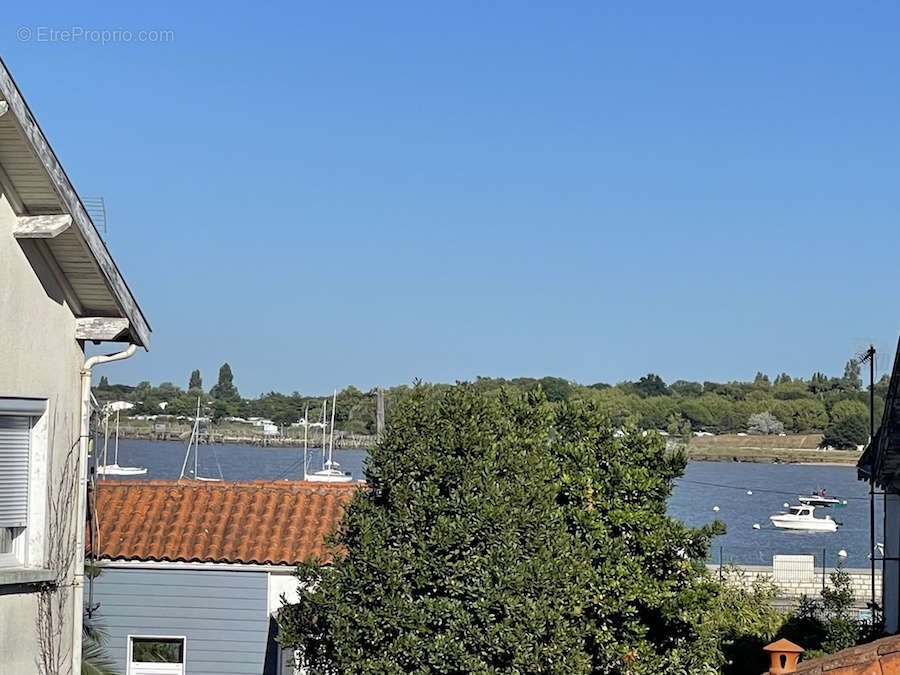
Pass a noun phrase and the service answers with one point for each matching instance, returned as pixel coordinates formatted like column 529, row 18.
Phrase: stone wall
column 792, row 589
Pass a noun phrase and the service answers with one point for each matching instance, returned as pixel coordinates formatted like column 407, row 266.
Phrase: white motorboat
column 820, row 499
column 802, row 518
column 331, row 470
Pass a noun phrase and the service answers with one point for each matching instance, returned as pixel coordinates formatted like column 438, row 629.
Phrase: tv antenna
column 96, row 208
column 868, row 356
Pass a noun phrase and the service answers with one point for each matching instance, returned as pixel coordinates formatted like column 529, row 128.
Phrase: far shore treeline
column 836, row 407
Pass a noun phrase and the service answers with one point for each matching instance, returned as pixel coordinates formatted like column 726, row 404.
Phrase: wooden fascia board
column 139, row 327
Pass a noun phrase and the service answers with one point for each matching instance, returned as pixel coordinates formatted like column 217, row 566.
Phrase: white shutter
column 15, row 432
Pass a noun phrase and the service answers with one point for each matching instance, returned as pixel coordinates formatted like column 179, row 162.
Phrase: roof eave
column 139, row 329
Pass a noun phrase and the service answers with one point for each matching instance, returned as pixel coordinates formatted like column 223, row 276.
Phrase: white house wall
column 39, row 358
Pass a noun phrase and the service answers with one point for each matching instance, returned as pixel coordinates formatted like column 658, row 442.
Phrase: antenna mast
column 869, row 356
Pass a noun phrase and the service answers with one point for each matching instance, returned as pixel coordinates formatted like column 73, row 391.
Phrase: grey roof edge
column 138, row 326
column 871, row 462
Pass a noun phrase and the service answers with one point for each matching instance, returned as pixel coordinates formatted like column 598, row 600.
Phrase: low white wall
column 794, row 589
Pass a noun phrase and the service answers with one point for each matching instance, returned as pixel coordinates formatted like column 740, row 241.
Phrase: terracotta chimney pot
column 785, row 655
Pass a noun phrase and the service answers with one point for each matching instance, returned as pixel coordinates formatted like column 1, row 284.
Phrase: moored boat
column 802, row 518
column 825, row 502
column 821, row 499
column 107, row 469
column 331, row 470
column 194, row 441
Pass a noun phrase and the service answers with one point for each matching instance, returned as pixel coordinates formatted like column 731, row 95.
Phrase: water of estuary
column 705, row 485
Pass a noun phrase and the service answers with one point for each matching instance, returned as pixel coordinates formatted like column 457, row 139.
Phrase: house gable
column 50, row 211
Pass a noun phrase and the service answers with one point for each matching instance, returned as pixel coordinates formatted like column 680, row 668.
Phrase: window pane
column 157, row 650
column 15, row 435
column 7, row 537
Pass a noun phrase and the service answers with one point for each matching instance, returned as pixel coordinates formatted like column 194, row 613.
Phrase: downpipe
column 83, row 442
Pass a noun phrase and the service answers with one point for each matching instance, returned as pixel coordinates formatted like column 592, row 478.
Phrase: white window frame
column 159, row 667
column 28, row 545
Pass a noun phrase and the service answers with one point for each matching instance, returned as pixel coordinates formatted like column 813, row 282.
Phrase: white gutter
column 78, row 580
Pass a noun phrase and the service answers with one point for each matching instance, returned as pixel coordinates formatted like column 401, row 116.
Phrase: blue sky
column 335, row 193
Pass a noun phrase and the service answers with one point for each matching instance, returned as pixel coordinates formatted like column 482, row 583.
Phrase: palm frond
column 95, row 660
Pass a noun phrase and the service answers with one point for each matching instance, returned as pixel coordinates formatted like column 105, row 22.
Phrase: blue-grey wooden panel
column 223, row 615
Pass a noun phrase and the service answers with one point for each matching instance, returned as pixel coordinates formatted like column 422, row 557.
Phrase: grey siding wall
column 223, row 615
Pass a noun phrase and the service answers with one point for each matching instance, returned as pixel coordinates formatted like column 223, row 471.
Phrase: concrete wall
column 39, row 357
column 222, row 614
column 794, row 589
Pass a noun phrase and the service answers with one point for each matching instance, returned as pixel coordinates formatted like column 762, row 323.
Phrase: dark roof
column 881, row 456
column 277, row 523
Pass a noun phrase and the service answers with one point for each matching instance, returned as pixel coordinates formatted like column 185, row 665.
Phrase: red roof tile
column 278, row 523
column 875, row 658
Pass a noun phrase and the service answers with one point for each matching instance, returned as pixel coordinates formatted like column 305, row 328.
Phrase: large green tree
column 224, row 389
column 651, row 384
column 196, row 382
column 851, row 375
column 849, row 425
column 555, row 388
column 501, row 534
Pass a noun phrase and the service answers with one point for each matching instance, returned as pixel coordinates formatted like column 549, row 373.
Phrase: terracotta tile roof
column 280, row 523
column 881, row 657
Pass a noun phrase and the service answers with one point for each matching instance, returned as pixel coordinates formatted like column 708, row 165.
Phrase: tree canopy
column 501, row 533
column 802, row 406
column 224, row 389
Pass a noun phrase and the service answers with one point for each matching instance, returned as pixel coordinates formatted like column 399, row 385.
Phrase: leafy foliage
column 826, row 625
column 555, row 389
column 802, row 406
column 851, row 374
column 224, row 389
column 849, row 425
column 506, row 534
column 651, row 385
column 764, row 423
column 95, row 657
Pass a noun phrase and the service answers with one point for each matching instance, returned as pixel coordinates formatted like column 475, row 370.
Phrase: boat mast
column 305, row 437
column 196, row 436
column 187, row 453
column 324, row 429
column 117, row 438
column 105, row 436
column 331, row 444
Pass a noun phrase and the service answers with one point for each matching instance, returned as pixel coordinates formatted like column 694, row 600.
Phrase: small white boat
column 114, row 469
column 331, row 470
column 802, row 518
column 822, row 500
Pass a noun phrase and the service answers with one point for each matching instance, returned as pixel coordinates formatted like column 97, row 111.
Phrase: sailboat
column 194, row 441
column 114, row 469
column 331, row 470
